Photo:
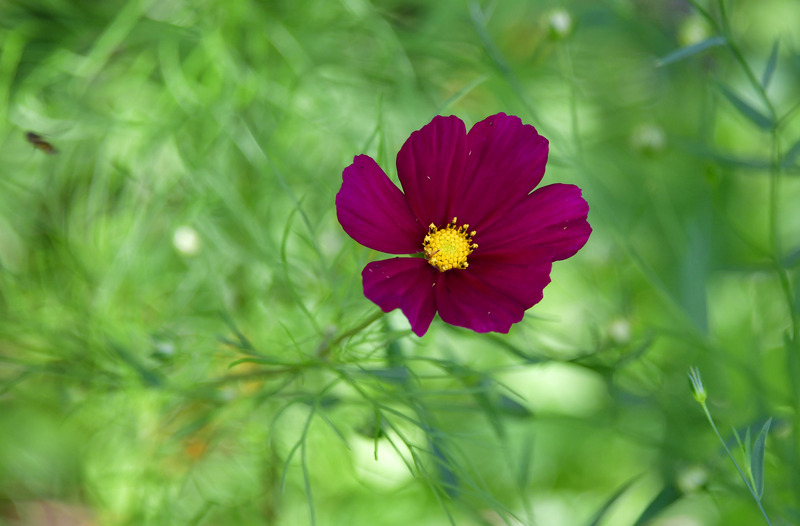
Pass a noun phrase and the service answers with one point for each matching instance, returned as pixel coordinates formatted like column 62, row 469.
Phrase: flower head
column 485, row 238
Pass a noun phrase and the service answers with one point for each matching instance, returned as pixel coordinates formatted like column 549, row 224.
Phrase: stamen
column 448, row 248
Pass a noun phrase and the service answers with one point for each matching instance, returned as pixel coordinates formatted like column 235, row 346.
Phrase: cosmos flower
column 483, row 238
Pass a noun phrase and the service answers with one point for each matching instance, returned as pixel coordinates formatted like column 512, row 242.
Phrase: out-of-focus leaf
column 792, row 259
column 511, row 407
column 666, row 497
column 738, row 438
column 771, row 63
column 722, row 158
column 463, row 92
column 791, row 155
column 147, row 376
column 265, row 360
column 688, row 51
column 758, row 118
column 242, row 343
column 748, row 446
column 757, row 460
column 504, row 344
column 481, row 396
column 447, row 476
column 323, row 402
column 398, row 374
column 610, row 502
column 694, row 273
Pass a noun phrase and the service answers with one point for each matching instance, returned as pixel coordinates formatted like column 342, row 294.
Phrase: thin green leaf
column 506, row 345
column 497, row 57
column 463, row 92
column 509, row 406
column 757, row 460
column 758, row 118
column 666, row 497
column 791, row 156
column 688, row 51
column 748, row 446
column 265, row 360
column 738, row 438
column 792, row 259
column 722, row 157
column 771, row 63
column 243, row 343
column 148, row 377
column 694, row 271
column 448, row 479
column 610, row 502
column 481, row 393
column 398, row 374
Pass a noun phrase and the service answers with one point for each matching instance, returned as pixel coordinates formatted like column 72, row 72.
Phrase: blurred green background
column 183, row 336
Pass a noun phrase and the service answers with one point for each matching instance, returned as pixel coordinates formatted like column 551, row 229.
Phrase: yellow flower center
column 449, row 247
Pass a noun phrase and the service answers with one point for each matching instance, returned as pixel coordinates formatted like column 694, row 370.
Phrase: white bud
column 186, row 240
column 648, row 139
column 692, row 30
column 559, row 21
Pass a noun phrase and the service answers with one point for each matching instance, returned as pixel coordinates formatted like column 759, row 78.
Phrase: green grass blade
column 757, row 460
column 748, row 446
column 755, row 116
column 771, row 63
column 688, row 51
column 665, row 498
column 610, row 502
column 463, row 92
column 791, row 156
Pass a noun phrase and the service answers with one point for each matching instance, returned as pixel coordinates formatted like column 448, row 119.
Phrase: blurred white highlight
column 186, row 240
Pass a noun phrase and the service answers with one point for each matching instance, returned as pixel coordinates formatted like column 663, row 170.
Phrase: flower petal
column 553, row 216
column 506, row 160
column 491, row 295
column 404, row 283
column 430, row 165
column 374, row 212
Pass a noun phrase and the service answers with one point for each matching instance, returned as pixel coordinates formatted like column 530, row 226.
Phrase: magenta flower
column 487, row 241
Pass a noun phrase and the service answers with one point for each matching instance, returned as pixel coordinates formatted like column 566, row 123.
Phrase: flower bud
column 186, row 241
column 560, row 24
column 698, row 391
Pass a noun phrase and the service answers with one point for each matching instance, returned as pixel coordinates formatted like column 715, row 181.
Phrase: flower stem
column 739, row 469
column 792, row 339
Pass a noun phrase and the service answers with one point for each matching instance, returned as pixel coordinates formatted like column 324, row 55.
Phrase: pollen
column 447, row 248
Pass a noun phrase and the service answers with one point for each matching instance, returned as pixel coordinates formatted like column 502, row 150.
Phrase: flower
column 484, row 240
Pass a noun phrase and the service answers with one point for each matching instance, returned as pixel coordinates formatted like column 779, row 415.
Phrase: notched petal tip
column 553, row 217
column 506, row 161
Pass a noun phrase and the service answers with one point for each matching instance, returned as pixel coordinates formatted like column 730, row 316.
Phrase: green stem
column 751, row 76
column 724, row 29
column 730, row 454
column 325, row 348
column 788, row 295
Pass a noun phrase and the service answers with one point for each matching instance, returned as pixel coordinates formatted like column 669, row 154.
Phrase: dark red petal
column 404, row 283
column 506, row 160
column 553, row 217
column 374, row 212
column 491, row 295
column 430, row 166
